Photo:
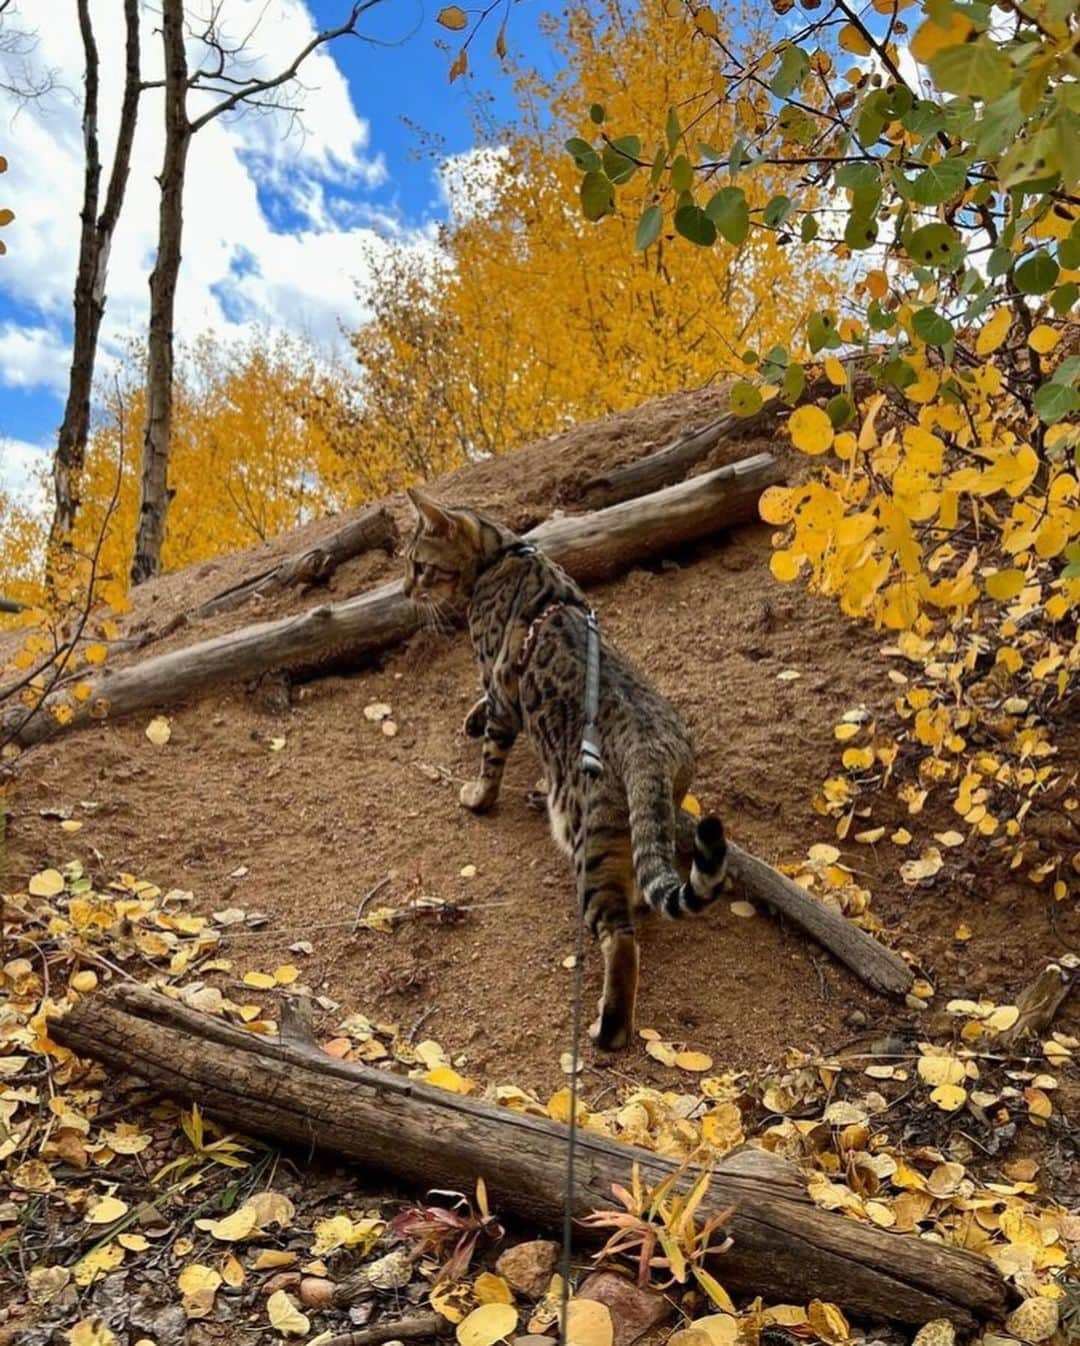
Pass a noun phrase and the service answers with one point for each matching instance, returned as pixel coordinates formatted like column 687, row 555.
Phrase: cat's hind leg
column 608, row 888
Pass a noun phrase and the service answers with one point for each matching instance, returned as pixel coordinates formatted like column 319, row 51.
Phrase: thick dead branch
column 373, row 528
column 783, row 1244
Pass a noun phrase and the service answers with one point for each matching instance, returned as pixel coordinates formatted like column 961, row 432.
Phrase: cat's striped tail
column 652, row 829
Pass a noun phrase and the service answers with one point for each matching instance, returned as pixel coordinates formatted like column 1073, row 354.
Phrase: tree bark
column 590, row 546
column 783, row 1245
column 672, row 462
column 154, row 492
column 95, row 244
column 370, row 529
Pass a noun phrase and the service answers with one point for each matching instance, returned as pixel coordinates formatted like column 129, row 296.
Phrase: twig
column 372, row 892
column 404, row 1329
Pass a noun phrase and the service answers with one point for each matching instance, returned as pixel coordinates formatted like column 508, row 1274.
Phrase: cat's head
column 447, row 551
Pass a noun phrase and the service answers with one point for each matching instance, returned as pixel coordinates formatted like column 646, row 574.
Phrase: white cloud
column 33, row 357
column 238, row 268
column 23, row 473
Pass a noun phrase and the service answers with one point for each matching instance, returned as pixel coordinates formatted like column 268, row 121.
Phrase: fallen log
column 671, row 463
column 591, row 546
column 370, row 529
column 784, row 1246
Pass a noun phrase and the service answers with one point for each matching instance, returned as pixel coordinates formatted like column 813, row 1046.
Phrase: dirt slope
column 305, row 832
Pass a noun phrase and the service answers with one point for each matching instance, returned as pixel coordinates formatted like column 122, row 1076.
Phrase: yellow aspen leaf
column 693, row 1061
column 452, row 17
column 90, row 1332
column 811, row 430
column 105, row 1211
column 1044, row 338
column 46, row 883
column 588, row 1323
column 852, row 39
column 488, row 1324
column 491, row 1289
column 993, row 332
column 96, row 654
column 878, row 284
column 285, row 1317
column 460, row 66
column 286, row 974
column 1005, row 584
column 706, row 22
column 98, row 1262
column 691, row 805
column 232, row 1271
column 261, row 981
column 445, row 1077
column 785, row 566
column 159, row 731
column 775, row 505
column 938, row 1070
column 844, row 445
column 744, row 910
column 828, row 1322
column 932, row 37
column 845, row 731
column 134, row 1243
column 835, row 372
column 948, row 1097
column 858, row 759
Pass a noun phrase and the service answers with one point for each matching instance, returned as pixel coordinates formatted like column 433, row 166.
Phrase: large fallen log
column 591, row 547
column 784, row 1246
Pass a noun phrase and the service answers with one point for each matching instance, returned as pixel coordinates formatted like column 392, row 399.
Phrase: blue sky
column 276, row 222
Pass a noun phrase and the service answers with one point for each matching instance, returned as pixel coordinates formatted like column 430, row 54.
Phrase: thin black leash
column 591, row 766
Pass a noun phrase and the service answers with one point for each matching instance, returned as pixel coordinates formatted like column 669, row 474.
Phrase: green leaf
column 821, row 332
column 809, row 230
column 1065, row 298
column 597, row 195
column 999, row 124
column 924, row 119
column 658, row 165
column 673, row 129
column 936, row 245
column 898, row 373
column 777, row 211
column 860, row 232
column 840, row 410
column 649, row 226
column 999, row 263
column 979, row 69
column 682, row 174
column 618, row 158
column 1030, row 161
column 793, row 69
column 1054, row 401
column 596, row 113
column 730, row 213
column 1069, row 253
column 745, row 399
column 1037, row 274
column 873, row 117
column 939, row 182
column 934, row 329
column 794, row 384
column 880, row 318
column 694, row 224
column 585, row 156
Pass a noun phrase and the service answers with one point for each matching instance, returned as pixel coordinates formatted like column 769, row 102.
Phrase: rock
column 391, row 1272
column 633, row 1312
column 316, row 1292
column 529, row 1267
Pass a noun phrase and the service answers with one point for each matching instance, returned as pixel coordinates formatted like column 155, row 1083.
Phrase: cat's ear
column 431, row 514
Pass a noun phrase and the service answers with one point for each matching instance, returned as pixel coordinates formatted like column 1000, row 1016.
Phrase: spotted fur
column 526, row 619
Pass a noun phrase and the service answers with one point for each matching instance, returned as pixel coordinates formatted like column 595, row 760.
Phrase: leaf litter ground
column 260, row 847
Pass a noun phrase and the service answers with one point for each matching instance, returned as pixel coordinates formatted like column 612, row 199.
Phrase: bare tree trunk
column 95, row 243
column 154, row 496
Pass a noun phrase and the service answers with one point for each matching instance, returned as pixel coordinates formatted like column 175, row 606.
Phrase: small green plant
column 658, row 1229
column 225, row 1149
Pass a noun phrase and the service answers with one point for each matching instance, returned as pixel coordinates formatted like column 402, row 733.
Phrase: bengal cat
column 527, row 622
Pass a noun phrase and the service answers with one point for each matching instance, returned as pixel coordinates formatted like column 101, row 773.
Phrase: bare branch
column 251, row 89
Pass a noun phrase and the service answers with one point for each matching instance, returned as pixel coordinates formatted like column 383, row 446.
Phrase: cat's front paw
column 476, row 720
column 477, row 796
